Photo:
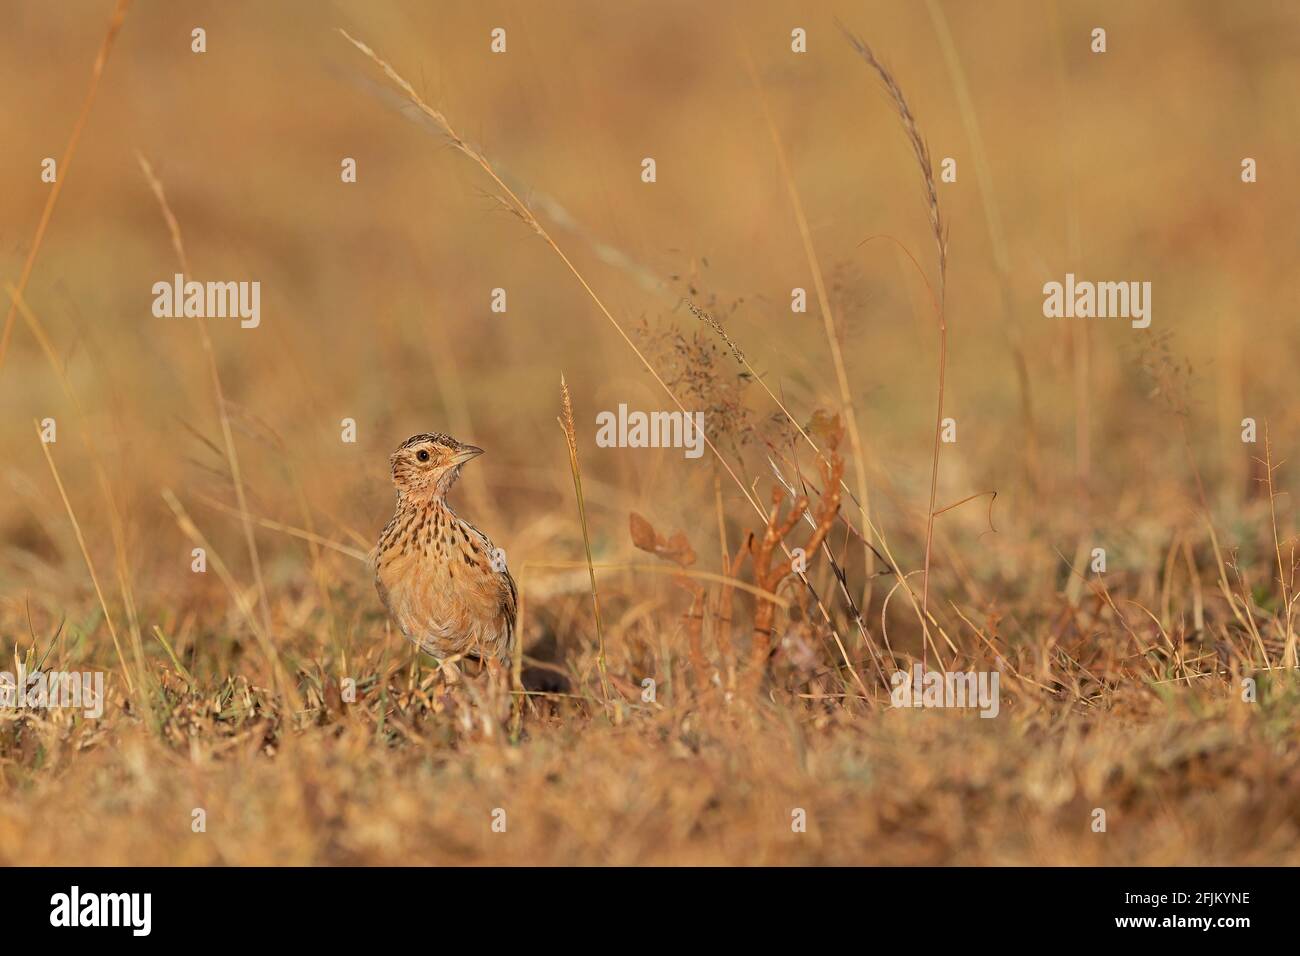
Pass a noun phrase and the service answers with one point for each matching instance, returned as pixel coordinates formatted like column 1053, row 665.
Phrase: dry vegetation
column 231, row 690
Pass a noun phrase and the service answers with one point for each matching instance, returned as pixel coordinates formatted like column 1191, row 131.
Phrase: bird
column 444, row 584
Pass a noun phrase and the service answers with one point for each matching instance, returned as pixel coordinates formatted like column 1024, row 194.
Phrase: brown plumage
column 435, row 571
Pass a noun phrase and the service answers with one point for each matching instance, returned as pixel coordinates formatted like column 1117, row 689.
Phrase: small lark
column 434, row 571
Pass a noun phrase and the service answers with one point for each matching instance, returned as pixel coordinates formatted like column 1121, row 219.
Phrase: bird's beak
column 465, row 454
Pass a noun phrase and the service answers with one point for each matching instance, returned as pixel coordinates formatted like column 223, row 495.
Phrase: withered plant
column 772, row 560
column 678, row 550
column 772, row 568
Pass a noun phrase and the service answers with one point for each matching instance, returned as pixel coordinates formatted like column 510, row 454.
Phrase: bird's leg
column 450, row 672
column 487, row 690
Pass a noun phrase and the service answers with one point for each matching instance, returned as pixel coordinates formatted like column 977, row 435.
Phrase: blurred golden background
column 376, row 295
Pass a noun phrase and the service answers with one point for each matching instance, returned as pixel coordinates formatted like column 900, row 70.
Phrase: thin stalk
column 85, row 554
column 922, row 154
column 571, row 439
column 65, row 161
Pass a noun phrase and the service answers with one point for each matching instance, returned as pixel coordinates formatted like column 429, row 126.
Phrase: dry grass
column 685, row 682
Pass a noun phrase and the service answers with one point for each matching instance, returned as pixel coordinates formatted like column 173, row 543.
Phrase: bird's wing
column 509, row 604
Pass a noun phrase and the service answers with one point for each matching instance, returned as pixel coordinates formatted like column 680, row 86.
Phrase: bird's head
column 426, row 466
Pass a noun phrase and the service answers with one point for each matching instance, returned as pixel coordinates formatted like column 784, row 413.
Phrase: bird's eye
column 422, row 454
